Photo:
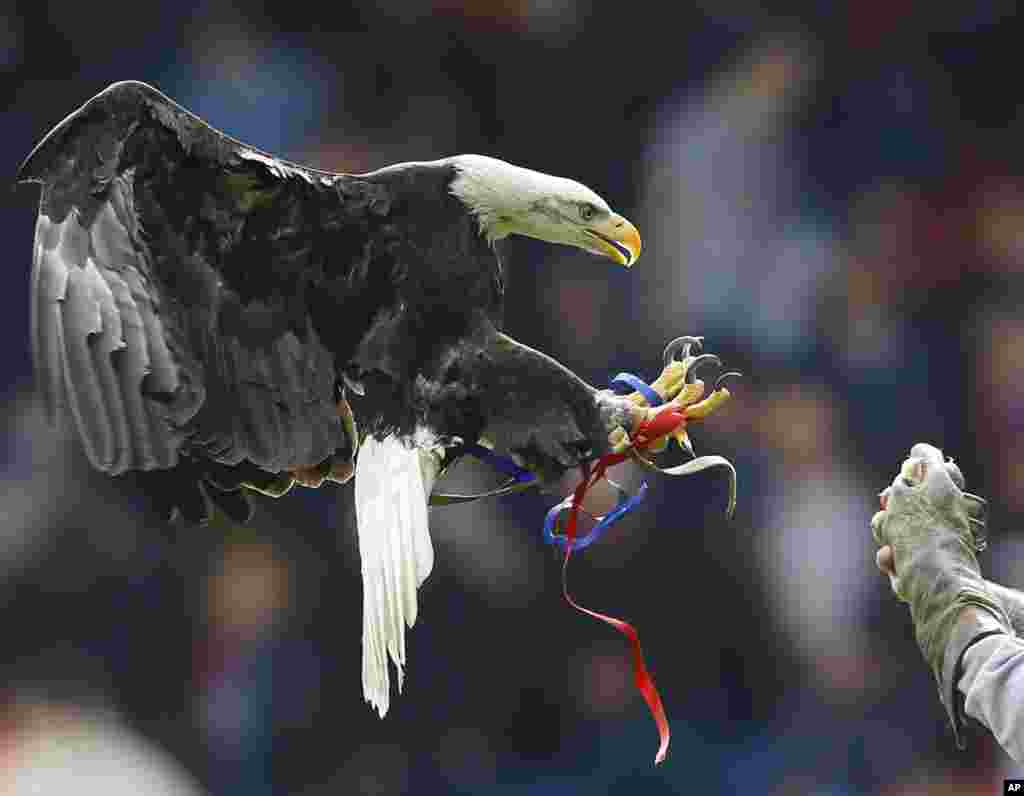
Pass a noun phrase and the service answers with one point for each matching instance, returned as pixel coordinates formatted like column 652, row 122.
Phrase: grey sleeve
column 1012, row 602
column 992, row 684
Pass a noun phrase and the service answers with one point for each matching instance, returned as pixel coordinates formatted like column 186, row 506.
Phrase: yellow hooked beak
column 616, row 238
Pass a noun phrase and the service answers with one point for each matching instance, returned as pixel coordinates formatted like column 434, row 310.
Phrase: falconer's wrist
column 973, row 621
column 973, row 624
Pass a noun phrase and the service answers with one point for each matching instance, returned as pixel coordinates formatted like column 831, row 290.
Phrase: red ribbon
column 663, row 423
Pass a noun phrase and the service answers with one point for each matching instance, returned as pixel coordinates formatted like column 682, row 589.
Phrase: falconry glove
column 934, row 528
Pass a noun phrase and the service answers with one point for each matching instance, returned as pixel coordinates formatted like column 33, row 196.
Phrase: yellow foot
column 348, row 421
column 312, row 476
column 678, row 386
column 274, row 487
column 334, row 468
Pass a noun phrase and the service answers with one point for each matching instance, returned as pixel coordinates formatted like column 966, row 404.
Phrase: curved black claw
column 352, row 383
column 700, row 362
column 977, row 511
column 680, row 348
column 189, row 492
column 980, row 533
column 975, row 498
column 729, row 374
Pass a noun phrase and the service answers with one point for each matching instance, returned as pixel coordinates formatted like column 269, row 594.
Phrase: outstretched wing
column 171, row 286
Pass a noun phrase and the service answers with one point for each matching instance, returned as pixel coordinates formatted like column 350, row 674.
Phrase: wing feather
column 81, row 320
column 145, row 322
column 159, row 376
column 257, row 416
column 49, row 284
column 110, row 340
column 288, row 354
column 132, row 367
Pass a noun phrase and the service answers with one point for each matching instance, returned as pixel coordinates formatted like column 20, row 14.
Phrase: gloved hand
column 932, row 529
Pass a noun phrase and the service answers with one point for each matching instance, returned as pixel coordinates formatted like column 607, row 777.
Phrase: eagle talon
column 679, row 386
column 352, row 383
column 273, row 487
column 690, row 394
column 681, row 346
column 682, row 392
column 337, row 469
column 312, row 476
column 729, row 374
column 699, row 362
column 678, row 376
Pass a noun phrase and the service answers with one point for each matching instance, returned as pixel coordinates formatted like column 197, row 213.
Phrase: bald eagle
column 204, row 311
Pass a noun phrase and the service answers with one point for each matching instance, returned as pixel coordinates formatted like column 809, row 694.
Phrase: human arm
column 927, row 532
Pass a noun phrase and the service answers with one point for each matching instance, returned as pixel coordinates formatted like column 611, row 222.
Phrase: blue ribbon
column 625, row 505
column 503, row 464
column 634, row 383
column 626, row 382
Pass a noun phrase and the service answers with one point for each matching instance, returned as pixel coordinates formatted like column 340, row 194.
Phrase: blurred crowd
column 830, row 193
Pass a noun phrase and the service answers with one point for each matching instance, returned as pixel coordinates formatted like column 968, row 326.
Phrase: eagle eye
column 587, row 212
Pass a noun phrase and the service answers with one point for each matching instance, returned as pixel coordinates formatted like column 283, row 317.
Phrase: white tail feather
column 392, row 485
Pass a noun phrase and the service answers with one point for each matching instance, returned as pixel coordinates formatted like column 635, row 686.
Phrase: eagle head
column 510, row 200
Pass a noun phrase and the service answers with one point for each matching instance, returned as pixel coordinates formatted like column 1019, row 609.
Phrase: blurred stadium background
column 830, row 192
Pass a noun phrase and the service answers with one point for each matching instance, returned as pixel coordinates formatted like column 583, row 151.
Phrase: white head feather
column 511, row 200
